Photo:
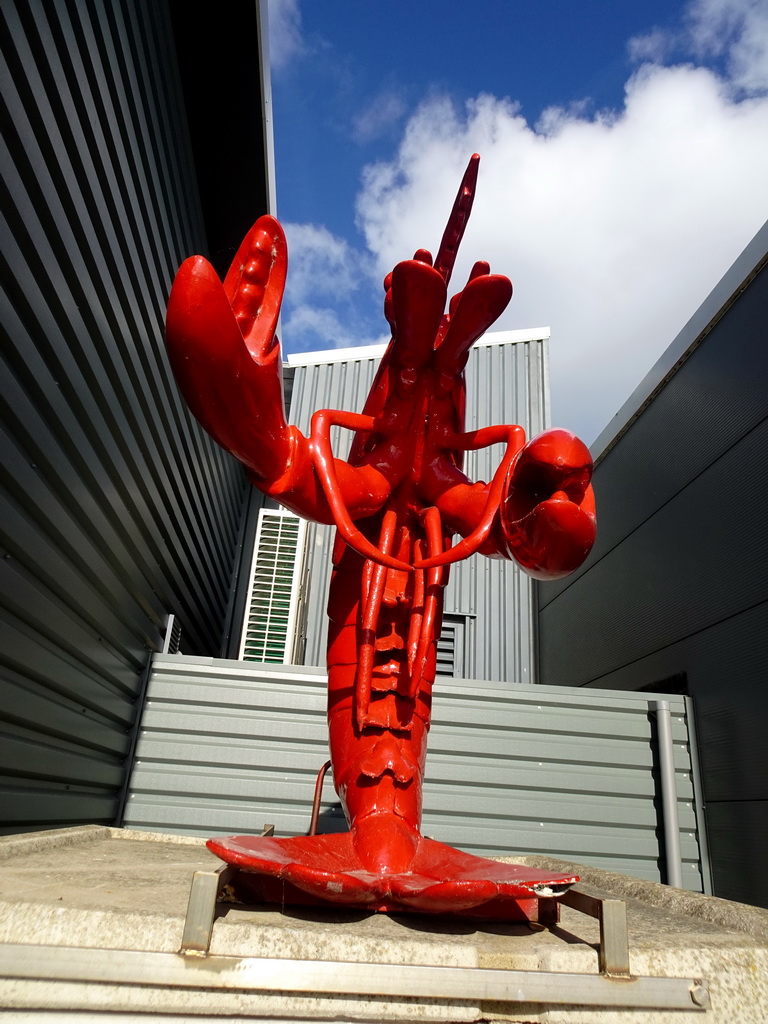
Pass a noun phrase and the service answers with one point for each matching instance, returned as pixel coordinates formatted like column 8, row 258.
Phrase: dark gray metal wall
column 116, row 509
column 507, row 382
column 226, row 747
column 678, row 582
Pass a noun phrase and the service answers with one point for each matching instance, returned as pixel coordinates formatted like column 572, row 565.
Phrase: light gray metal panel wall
column 337, row 385
column 116, row 508
column 225, row 748
column 506, row 383
column 677, row 584
column 532, row 769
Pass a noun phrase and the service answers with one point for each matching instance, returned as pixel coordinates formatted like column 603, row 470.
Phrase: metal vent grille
column 269, row 634
column 450, row 646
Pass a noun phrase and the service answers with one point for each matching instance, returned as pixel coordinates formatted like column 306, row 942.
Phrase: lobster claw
column 480, row 304
column 224, row 352
column 547, row 511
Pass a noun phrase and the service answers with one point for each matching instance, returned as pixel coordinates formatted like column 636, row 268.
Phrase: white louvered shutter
column 272, row 610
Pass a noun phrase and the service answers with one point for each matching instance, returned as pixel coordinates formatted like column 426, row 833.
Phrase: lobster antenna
column 457, row 222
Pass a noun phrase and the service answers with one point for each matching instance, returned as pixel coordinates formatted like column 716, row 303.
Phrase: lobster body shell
column 393, row 614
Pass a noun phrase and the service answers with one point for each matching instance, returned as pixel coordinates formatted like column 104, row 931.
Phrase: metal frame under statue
column 397, row 503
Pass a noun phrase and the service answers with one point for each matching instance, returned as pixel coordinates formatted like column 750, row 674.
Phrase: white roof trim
column 512, row 337
column 343, row 355
column 336, row 355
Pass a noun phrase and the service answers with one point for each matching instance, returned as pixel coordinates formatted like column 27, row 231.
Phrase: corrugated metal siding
column 116, row 509
column 678, row 581
column 506, row 383
column 671, row 577
column 533, row 769
column 336, row 385
column 225, row 748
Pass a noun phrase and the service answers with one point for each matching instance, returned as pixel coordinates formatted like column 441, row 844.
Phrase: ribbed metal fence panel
column 116, row 508
column 225, row 748
column 507, row 382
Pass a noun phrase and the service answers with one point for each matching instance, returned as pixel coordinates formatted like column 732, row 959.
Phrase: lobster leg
column 417, row 609
column 371, row 610
column 434, row 530
column 514, row 436
column 326, row 467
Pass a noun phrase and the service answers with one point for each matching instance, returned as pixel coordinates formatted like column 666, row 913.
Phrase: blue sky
column 624, row 155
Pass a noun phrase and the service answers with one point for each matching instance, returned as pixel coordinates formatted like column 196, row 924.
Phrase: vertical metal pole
column 130, row 758
column 668, row 793
column 698, row 798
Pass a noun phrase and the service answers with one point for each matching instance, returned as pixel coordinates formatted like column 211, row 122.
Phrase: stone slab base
column 110, row 889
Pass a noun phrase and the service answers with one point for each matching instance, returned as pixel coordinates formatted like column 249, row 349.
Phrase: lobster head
column 430, row 346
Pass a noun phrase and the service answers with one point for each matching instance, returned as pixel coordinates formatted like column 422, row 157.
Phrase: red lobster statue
column 396, row 502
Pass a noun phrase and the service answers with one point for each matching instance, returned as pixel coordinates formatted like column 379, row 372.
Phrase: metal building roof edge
column 735, row 280
column 265, row 70
column 340, row 355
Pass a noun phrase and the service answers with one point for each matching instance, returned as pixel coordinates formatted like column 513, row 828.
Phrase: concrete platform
column 97, row 888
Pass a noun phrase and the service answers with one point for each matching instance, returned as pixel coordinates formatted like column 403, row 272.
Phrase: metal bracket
column 201, row 909
column 614, row 937
column 613, row 986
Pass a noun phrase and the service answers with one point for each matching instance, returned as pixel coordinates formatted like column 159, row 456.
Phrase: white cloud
column 319, row 262
column 380, row 115
column 330, row 293
column 285, row 39
column 319, row 328
column 653, row 46
column 613, row 229
column 737, row 29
